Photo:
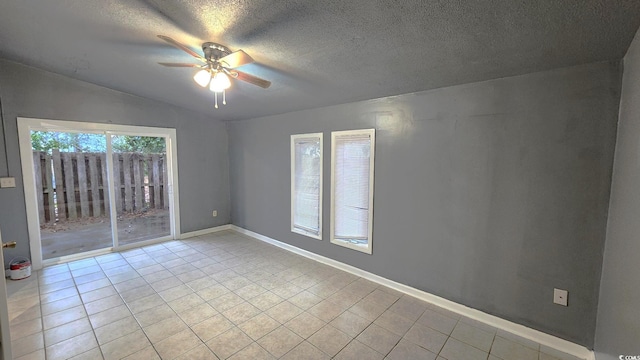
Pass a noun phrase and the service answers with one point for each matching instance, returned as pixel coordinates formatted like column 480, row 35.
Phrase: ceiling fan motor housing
column 213, row 51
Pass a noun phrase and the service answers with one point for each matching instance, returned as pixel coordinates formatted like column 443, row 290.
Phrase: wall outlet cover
column 560, row 297
column 7, row 182
column 215, row 213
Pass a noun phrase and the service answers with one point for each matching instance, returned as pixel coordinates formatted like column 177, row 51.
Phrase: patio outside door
column 91, row 188
column 141, row 188
column 72, row 192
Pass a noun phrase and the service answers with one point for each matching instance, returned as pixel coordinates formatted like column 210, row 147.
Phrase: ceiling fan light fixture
column 219, row 64
column 220, row 82
column 202, row 77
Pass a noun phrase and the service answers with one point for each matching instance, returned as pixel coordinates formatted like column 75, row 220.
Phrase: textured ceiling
column 316, row 53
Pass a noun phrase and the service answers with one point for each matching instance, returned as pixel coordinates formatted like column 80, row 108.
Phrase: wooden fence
column 72, row 185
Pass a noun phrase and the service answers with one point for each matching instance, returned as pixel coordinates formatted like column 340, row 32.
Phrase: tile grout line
column 127, row 306
column 44, row 345
column 131, row 311
column 85, row 311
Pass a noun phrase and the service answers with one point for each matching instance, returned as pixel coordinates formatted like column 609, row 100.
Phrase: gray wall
column 202, row 142
column 488, row 194
column 618, row 327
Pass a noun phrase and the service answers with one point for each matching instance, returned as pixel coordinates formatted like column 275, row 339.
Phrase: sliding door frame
column 26, row 125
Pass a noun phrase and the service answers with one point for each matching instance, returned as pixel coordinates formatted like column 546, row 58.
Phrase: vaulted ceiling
column 316, row 53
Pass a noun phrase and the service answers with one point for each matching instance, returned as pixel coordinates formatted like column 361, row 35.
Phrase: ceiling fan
column 219, row 64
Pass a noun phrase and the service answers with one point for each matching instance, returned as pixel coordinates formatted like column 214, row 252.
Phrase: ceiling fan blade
column 183, row 48
column 236, row 58
column 250, row 79
column 178, row 64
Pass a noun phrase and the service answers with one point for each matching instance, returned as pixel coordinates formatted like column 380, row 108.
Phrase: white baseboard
column 499, row 323
column 205, row 231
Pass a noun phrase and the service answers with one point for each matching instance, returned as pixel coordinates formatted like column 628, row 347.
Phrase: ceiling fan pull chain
column 216, row 94
column 224, row 97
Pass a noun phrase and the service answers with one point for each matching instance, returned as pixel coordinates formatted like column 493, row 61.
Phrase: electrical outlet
column 7, row 182
column 215, row 213
column 560, row 297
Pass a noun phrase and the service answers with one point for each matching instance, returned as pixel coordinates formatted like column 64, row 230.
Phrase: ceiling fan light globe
column 220, row 82
column 202, row 78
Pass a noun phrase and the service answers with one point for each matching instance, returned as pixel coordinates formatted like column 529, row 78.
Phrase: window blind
column 351, row 187
column 307, row 185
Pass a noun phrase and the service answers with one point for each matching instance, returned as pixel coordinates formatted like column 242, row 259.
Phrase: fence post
column 93, row 176
column 165, row 183
column 37, row 167
column 128, row 193
column 156, row 182
column 145, row 171
column 82, row 184
column 137, row 180
column 117, row 184
column 104, row 182
column 49, row 177
column 60, row 191
column 70, row 187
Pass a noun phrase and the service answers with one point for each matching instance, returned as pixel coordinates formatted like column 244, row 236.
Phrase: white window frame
column 372, row 135
column 26, row 125
column 294, row 228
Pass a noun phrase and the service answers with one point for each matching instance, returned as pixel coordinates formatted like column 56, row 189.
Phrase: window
column 352, row 159
column 306, row 185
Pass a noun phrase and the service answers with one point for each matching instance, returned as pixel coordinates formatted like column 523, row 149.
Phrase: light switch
column 7, row 182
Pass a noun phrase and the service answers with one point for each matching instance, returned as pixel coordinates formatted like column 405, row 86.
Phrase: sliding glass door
column 72, row 193
column 93, row 187
column 141, row 187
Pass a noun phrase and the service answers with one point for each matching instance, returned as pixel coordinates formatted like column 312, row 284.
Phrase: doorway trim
column 26, row 125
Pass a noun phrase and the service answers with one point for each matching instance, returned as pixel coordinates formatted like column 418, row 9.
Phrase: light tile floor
column 226, row 295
